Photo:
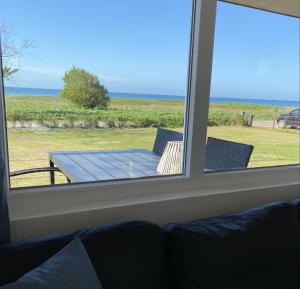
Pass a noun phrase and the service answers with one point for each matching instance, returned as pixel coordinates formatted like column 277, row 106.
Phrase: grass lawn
column 29, row 148
column 46, row 102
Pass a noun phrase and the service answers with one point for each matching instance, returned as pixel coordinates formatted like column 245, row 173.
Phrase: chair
column 226, row 155
column 50, row 169
column 163, row 136
column 219, row 155
column 172, row 158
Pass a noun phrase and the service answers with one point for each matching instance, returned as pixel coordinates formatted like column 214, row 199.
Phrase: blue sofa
column 257, row 248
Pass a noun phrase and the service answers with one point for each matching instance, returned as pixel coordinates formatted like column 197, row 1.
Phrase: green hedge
column 112, row 118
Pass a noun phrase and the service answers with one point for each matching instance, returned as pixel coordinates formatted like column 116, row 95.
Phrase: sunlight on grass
column 29, row 148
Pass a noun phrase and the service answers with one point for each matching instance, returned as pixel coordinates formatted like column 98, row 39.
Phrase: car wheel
column 281, row 123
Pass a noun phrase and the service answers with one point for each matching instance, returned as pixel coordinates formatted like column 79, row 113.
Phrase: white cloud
column 50, row 71
column 36, row 75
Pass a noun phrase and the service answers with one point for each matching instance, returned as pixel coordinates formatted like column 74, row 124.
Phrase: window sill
column 242, row 187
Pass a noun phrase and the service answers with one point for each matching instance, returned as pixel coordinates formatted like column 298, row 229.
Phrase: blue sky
column 143, row 46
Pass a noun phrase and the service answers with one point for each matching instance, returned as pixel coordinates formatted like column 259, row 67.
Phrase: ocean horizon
column 26, row 91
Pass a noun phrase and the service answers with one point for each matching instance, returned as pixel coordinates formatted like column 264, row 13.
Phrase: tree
column 84, row 89
column 11, row 52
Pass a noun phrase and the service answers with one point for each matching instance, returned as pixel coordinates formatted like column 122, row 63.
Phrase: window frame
column 3, row 127
column 55, row 200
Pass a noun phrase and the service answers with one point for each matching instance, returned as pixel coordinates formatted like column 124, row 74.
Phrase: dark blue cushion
column 70, row 268
column 296, row 203
column 128, row 255
column 257, row 248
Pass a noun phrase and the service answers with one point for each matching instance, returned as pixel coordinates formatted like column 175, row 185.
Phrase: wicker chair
column 163, row 136
column 226, row 155
column 220, row 155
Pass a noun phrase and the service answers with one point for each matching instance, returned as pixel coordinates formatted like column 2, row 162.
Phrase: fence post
column 274, row 118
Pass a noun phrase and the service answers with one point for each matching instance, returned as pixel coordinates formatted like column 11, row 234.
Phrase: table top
column 89, row 166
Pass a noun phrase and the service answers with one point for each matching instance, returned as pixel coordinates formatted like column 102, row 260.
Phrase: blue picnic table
column 102, row 165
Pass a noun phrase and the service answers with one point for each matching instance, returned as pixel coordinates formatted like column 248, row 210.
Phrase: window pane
column 254, row 91
column 95, row 90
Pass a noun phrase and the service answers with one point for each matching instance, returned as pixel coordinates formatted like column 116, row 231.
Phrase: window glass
column 255, row 87
column 295, row 112
column 95, row 90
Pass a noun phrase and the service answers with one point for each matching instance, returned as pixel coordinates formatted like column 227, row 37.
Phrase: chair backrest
column 163, row 136
column 225, row 155
column 171, row 160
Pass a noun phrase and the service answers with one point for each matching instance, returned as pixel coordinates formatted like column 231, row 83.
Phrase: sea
column 26, row 91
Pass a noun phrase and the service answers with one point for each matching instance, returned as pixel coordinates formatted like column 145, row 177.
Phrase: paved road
column 268, row 123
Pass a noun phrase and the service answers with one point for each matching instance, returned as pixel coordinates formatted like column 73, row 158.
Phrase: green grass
column 56, row 112
column 142, row 104
column 29, row 148
column 44, row 102
column 271, row 147
column 260, row 112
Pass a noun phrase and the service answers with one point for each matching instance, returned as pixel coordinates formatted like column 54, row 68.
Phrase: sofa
column 257, row 248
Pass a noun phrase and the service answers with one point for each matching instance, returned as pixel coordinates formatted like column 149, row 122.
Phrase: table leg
column 52, row 176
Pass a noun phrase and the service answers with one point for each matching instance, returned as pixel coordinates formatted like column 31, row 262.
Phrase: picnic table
column 164, row 159
column 91, row 166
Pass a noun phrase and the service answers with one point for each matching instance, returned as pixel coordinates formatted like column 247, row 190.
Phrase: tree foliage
column 11, row 51
column 9, row 71
column 84, row 89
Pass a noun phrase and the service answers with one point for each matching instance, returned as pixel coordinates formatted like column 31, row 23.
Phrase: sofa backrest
column 257, row 248
column 296, row 203
column 129, row 255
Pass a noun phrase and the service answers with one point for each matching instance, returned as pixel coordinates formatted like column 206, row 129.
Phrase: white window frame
column 30, row 203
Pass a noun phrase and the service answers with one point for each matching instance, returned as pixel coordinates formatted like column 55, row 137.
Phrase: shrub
column 79, row 117
column 222, row 118
column 84, row 89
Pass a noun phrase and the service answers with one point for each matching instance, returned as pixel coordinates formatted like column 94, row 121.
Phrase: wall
column 178, row 208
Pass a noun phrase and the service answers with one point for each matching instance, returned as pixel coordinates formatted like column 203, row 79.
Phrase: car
column 292, row 119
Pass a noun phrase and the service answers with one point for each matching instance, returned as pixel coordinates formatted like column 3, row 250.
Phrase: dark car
column 292, row 119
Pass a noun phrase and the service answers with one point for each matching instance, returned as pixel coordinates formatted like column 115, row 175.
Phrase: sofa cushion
column 128, row 255
column 296, row 203
column 257, row 249
column 70, row 268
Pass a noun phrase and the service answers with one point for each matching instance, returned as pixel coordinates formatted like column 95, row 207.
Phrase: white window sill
column 83, row 202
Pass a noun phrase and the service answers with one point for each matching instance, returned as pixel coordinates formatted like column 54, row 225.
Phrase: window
column 255, row 90
column 194, row 184
column 95, row 99
column 295, row 112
